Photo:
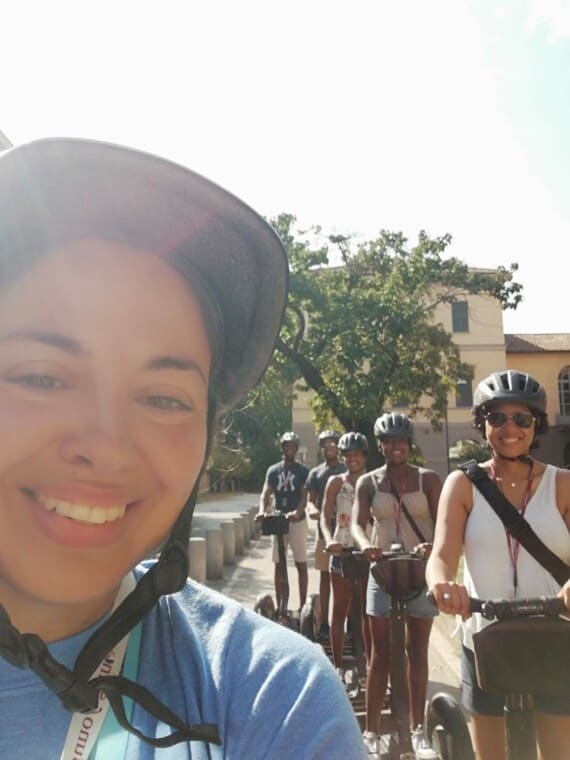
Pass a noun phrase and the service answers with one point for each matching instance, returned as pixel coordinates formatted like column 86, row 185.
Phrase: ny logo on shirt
column 286, row 481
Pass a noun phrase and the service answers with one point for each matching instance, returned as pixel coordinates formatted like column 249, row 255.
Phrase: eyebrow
column 176, row 362
column 74, row 347
column 57, row 340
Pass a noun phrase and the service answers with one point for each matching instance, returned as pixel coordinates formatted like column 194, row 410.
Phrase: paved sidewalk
column 253, row 574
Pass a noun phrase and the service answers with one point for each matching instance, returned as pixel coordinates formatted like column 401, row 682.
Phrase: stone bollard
column 238, row 525
column 246, row 528
column 229, row 541
column 214, row 554
column 197, row 559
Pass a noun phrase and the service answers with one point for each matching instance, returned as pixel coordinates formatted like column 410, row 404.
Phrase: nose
column 101, row 441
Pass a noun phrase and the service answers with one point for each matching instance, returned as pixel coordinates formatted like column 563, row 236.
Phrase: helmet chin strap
column 76, row 689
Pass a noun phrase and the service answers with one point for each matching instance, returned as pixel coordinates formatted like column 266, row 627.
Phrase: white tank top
column 488, row 571
column 385, row 525
column 344, row 501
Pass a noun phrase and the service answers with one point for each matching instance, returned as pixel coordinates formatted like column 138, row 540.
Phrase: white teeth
column 83, row 512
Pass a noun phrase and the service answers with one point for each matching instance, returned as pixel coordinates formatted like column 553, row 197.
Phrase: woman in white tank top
column 510, row 412
column 337, row 508
column 381, row 494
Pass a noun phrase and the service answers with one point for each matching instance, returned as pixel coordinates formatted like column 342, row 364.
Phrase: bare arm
column 360, row 514
column 329, row 499
column 432, row 490
column 265, row 499
column 454, row 506
column 312, row 509
column 563, row 502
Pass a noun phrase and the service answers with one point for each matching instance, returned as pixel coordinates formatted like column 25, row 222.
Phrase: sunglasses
column 498, row 419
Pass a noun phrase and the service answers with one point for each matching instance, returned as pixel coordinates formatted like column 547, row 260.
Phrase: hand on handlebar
column 372, row 553
column 564, row 593
column 334, row 547
column 451, row 598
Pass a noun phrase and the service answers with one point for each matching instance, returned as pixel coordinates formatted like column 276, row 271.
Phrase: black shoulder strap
column 407, row 514
column 515, row 523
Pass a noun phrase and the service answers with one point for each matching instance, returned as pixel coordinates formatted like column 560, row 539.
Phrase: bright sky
column 447, row 115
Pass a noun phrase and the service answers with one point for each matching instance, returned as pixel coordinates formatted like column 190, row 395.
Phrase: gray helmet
column 393, row 425
column 353, row 442
column 326, row 434
column 290, row 437
column 510, row 386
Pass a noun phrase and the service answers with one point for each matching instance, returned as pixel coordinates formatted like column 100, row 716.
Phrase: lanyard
column 513, row 545
column 397, row 504
column 84, row 728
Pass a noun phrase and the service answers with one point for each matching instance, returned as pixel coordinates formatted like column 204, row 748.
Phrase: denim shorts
column 481, row 702
column 378, row 603
column 335, row 564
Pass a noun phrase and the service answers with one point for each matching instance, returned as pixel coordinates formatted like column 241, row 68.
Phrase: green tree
column 250, row 432
column 468, row 449
column 359, row 326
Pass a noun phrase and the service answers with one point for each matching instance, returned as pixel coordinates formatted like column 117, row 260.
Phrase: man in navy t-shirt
column 285, row 483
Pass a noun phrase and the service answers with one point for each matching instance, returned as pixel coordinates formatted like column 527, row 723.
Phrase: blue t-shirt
column 287, row 481
column 319, row 476
column 272, row 693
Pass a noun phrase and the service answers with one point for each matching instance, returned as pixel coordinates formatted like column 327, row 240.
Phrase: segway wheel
column 311, row 617
column 447, row 730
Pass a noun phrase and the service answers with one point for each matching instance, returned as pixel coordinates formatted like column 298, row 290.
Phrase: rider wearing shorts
column 285, row 484
column 382, row 494
column 509, row 410
column 338, row 501
column 316, row 484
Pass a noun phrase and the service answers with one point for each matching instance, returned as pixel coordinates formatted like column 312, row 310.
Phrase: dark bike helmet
column 510, row 386
column 353, row 442
column 393, row 425
column 328, row 434
column 290, row 437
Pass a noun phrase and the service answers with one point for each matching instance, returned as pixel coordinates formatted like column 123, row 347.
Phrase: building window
column 463, row 393
column 459, row 317
column 564, row 391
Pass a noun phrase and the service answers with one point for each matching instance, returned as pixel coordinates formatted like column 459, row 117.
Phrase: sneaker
column 370, row 742
column 421, row 746
column 340, row 674
column 324, row 632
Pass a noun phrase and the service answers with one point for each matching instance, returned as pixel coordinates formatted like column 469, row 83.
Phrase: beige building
column 476, row 324
column 547, row 358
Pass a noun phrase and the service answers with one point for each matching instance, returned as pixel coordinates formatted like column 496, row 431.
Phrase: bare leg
column 417, row 639
column 553, row 732
column 488, row 734
column 303, row 581
column 377, row 678
column 277, row 583
column 366, row 633
column 324, row 594
column 341, row 603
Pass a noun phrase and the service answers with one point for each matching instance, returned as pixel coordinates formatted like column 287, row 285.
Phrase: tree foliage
column 359, row 327
column 251, row 430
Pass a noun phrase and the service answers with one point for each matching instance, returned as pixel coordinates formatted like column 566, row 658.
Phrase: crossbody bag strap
column 407, row 514
column 515, row 523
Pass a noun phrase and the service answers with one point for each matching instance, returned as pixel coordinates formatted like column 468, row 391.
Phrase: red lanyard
column 512, row 544
column 397, row 504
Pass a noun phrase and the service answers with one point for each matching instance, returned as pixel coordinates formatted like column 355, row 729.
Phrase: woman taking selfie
column 137, row 301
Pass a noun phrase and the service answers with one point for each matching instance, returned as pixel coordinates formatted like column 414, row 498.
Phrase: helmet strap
column 77, row 691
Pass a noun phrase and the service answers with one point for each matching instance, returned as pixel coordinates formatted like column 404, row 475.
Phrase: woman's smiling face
column 104, row 365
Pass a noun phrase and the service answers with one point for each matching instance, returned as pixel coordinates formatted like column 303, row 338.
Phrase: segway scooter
column 277, row 524
column 402, row 575
column 522, row 655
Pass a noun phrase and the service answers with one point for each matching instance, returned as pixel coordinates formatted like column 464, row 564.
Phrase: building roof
column 530, row 343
